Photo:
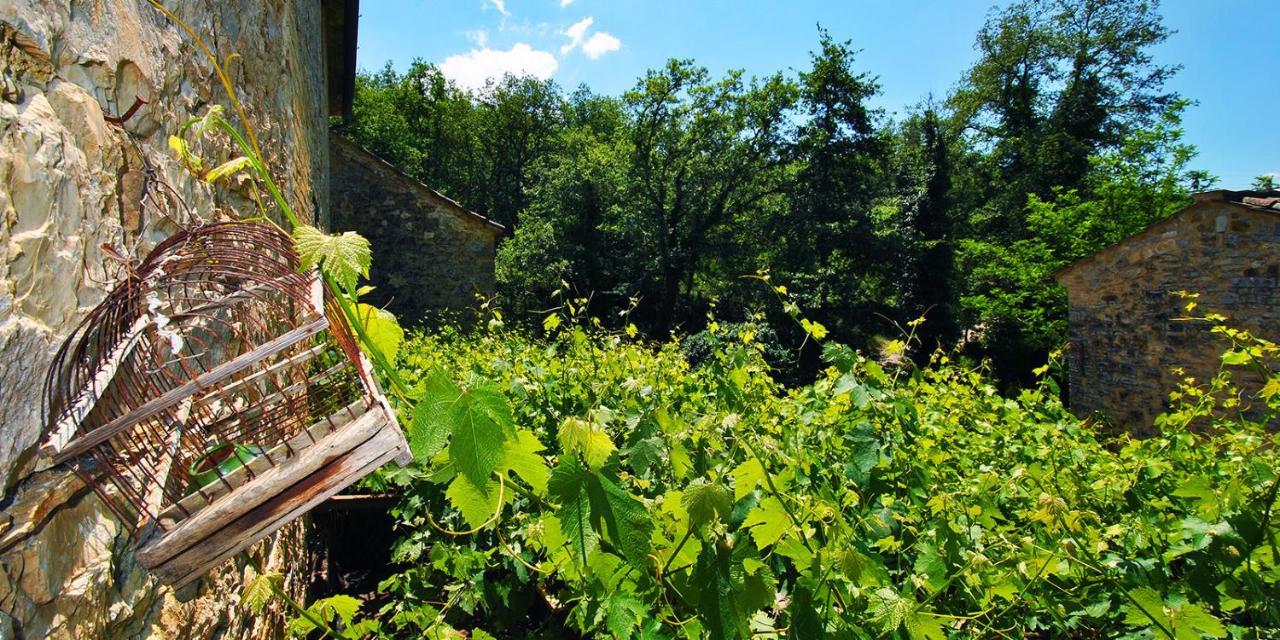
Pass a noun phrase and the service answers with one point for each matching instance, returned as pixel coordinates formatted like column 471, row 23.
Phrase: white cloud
column 565, row 3
column 479, row 37
column 500, row 5
column 599, row 44
column 576, row 33
column 472, row 69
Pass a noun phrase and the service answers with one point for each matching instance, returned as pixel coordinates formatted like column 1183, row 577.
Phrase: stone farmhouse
column 1125, row 336
column 89, row 93
column 403, row 218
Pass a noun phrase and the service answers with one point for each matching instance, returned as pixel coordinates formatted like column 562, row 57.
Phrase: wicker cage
column 216, row 394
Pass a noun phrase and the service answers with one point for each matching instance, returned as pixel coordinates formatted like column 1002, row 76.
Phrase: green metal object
column 220, row 460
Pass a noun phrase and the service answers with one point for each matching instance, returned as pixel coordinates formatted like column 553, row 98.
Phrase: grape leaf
column 342, row 606
column 768, row 522
column 1146, row 608
column 588, row 439
column 646, row 454
column 522, row 457
column 259, row 591
column 1191, row 622
column 482, row 423
column 931, row 565
column 716, row 599
column 924, row 626
column 568, row 486
column 849, row 383
column 228, row 168
column 432, row 423
column 344, row 257
column 383, row 329
column 706, row 502
column 746, row 477
column 888, row 609
column 623, row 517
column 814, row 329
column 476, row 505
column 624, row 615
column 592, row 505
column 550, row 322
column 299, row 627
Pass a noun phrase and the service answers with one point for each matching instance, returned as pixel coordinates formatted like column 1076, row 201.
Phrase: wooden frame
column 278, row 494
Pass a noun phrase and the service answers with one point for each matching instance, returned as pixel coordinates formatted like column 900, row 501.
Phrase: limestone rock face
column 71, row 184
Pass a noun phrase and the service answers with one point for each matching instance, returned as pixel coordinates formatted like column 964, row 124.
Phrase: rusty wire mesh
column 216, row 342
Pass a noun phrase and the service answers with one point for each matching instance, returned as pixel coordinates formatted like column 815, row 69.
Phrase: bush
column 631, row 495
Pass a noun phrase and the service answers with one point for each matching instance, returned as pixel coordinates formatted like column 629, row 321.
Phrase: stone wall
column 70, row 184
column 1126, row 340
column 429, row 253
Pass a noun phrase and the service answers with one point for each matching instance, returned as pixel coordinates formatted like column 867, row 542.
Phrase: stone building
column 429, row 252
column 1126, row 338
column 72, row 183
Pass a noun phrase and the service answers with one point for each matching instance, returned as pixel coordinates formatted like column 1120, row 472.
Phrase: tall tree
column 518, row 120
column 1059, row 87
column 569, row 230
column 423, row 124
column 1056, row 82
column 705, row 153
column 924, row 169
column 832, row 249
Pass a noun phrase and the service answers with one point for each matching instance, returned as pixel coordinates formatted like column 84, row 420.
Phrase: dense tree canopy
column 1061, row 138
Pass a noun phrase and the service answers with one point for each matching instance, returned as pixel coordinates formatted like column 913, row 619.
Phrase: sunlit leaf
column 522, row 457
column 383, row 330
column 260, row 590
column 344, row 257
column 482, row 424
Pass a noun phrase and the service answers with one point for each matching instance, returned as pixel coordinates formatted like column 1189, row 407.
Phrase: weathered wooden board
column 266, row 518
column 155, row 494
column 259, row 465
column 263, row 488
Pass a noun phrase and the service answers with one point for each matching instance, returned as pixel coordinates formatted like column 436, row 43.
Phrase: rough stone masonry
column 70, row 184
column 430, row 254
column 1127, row 340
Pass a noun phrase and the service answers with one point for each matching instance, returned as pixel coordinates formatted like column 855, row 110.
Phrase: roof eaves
column 495, row 227
column 1268, row 201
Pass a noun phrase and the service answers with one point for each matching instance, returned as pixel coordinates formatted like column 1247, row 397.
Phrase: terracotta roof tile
column 1266, row 203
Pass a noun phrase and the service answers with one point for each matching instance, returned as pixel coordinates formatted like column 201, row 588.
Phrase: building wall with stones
column 430, row 254
column 71, row 184
column 1126, row 341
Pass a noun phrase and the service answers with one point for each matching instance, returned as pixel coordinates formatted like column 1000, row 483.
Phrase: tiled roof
column 1266, row 202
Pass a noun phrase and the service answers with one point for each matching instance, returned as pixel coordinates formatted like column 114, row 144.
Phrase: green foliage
column 343, row 257
column 385, row 334
column 481, row 425
column 706, row 502
column 922, row 504
column 259, row 591
column 227, row 169
column 1061, row 138
column 1008, row 284
column 335, row 617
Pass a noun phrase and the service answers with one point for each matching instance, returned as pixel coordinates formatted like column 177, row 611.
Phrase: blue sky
column 1228, row 48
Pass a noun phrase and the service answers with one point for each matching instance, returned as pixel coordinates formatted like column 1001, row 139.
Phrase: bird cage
column 214, row 396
